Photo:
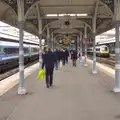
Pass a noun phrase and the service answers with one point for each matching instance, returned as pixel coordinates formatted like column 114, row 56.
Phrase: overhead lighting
column 81, row 14
column 51, row 15
column 62, row 15
column 71, row 14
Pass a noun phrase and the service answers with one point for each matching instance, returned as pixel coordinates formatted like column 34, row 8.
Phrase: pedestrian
column 63, row 57
column 74, row 57
column 48, row 63
column 66, row 55
column 56, row 58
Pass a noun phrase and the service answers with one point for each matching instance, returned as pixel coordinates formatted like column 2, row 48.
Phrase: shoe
column 50, row 85
column 47, row 86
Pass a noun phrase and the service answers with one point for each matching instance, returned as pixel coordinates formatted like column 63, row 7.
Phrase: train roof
column 15, row 41
column 97, row 46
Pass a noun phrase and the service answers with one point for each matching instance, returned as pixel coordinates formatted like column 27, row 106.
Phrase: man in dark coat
column 48, row 63
column 56, row 59
column 74, row 57
column 66, row 55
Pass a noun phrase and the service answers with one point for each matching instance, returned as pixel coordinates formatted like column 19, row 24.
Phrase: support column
column 81, row 47
column 117, row 46
column 48, row 37
column 21, row 89
column 40, row 51
column 40, row 34
column 94, row 70
column 85, row 38
column 52, row 40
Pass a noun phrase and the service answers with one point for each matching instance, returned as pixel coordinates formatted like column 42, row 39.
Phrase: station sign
column 66, row 42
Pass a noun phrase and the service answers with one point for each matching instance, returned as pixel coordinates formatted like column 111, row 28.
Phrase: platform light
column 51, row 15
column 71, row 14
column 61, row 15
column 81, row 14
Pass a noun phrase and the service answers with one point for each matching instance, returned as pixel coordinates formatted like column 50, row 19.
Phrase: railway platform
column 77, row 94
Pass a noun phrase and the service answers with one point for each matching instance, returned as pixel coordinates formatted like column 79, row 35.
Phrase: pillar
column 81, row 46
column 48, row 37
column 85, row 38
column 117, row 46
column 94, row 69
column 40, row 34
column 52, row 40
column 21, row 88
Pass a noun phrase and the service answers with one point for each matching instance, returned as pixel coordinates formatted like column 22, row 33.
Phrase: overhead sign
column 66, row 42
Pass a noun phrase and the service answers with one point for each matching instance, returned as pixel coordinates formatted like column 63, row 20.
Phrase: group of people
column 52, row 59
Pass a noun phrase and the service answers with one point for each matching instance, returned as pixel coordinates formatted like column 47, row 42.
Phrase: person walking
column 48, row 63
column 56, row 58
column 66, row 55
column 74, row 57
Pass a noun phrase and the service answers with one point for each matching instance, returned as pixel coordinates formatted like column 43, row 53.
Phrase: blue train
column 9, row 54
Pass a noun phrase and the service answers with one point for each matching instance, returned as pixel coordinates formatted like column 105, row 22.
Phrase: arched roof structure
column 104, row 15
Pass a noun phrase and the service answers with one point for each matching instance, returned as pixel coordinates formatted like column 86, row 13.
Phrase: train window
column 1, row 50
column 26, row 50
column 34, row 50
column 105, row 48
column 11, row 50
column 97, row 49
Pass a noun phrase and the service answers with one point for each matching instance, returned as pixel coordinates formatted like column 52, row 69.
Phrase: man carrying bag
column 48, row 63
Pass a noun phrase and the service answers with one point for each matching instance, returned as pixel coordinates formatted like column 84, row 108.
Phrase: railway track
column 110, row 62
column 15, row 70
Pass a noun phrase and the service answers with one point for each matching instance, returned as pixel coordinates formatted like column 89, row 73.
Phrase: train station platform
column 77, row 94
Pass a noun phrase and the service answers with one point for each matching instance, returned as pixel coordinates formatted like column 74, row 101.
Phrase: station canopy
column 54, row 13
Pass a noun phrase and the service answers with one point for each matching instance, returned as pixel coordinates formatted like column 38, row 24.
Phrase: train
column 9, row 54
column 101, row 51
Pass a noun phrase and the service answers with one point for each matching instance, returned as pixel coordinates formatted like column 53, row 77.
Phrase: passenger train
column 9, row 54
column 101, row 51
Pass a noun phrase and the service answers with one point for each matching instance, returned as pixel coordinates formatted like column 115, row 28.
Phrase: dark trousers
column 66, row 59
column 74, row 63
column 63, row 61
column 49, row 75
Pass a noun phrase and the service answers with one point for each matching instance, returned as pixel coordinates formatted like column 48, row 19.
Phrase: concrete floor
column 76, row 95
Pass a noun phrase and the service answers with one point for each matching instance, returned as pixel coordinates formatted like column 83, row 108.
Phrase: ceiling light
column 62, row 15
column 51, row 15
column 71, row 14
column 81, row 14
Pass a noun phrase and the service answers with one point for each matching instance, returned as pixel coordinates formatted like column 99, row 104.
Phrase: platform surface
column 76, row 95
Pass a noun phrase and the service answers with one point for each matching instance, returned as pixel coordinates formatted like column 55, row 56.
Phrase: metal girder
column 109, row 3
